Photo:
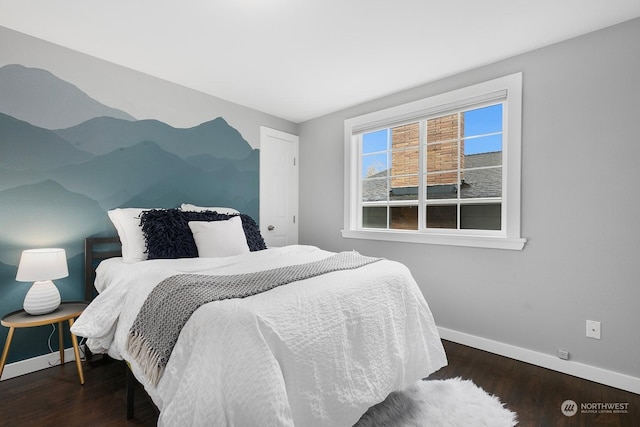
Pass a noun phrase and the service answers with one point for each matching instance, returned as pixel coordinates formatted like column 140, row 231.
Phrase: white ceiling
column 300, row 59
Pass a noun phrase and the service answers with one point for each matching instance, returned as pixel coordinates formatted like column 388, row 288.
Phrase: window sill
column 516, row 244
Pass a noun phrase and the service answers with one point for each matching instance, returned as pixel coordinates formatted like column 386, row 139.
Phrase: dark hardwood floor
column 536, row 394
column 54, row 397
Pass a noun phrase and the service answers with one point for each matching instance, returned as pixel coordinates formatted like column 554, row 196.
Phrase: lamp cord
column 53, row 325
column 57, row 362
column 53, row 330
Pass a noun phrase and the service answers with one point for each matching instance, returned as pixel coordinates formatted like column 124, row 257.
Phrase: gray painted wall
column 580, row 203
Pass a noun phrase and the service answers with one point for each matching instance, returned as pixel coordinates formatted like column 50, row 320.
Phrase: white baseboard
column 22, row 367
column 580, row 370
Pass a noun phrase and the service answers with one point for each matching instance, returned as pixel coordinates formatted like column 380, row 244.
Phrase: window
column 443, row 170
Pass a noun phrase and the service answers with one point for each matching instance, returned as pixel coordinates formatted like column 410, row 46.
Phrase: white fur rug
column 439, row 403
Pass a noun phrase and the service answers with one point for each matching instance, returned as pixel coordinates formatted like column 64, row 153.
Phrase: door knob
column 270, row 228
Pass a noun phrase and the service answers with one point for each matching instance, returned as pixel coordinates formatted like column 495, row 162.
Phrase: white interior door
column 278, row 187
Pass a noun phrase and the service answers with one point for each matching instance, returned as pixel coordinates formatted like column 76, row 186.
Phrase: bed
column 315, row 351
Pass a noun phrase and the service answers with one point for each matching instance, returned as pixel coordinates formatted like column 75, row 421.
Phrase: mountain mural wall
column 66, row 159
column 40, row 98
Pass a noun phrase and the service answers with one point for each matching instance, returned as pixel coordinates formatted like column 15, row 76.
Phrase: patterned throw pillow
column 167, row 233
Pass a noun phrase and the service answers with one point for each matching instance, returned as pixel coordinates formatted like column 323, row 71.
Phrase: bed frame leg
column 130, row 389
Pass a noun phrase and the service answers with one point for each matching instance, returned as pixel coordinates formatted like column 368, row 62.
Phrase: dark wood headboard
column 95, row 250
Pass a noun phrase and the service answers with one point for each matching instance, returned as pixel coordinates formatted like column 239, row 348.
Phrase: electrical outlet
column 593, row 329
column 563, row 354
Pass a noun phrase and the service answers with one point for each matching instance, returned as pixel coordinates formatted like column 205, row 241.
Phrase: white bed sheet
column 318, row 352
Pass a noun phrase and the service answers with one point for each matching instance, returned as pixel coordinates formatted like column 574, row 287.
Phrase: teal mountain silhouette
column 11, row 292
column 145, row 175
column 24, row 146
column 209, row 162
column 8, row 270
column 42, row 99
column 46, row 213
column 104, row 134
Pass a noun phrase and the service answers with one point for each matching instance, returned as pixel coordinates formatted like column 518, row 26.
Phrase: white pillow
column 127, row 223
column 220, row 210
column 216, row 239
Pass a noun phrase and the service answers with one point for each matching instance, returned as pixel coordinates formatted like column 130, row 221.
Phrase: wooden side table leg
column 76, row 351
column 60, row 343
column 5, row 352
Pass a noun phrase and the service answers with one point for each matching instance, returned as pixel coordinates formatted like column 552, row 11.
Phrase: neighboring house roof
column 475, row 184
column 482, row 182
column 374, row 187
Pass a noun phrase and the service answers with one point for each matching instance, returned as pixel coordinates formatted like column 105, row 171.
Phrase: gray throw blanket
column 172, row 302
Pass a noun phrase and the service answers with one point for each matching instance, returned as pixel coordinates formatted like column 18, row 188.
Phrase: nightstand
column 21, row 319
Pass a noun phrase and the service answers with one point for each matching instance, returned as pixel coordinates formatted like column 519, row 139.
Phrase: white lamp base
column 43, row 297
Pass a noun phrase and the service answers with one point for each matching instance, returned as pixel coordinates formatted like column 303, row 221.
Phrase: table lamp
column 41, row 266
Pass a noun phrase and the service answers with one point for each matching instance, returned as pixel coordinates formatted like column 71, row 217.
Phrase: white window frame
column 508, row 89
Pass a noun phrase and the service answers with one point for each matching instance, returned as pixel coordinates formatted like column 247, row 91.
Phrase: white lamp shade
column 42, row 264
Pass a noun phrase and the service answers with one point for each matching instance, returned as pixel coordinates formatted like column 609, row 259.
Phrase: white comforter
column 317, row 352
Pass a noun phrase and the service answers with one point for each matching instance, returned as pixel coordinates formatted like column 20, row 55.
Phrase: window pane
column 405, row 188
column 405, row 136
column 442, row 157
column 442, row 185
column 407, row 192
column 375, row 190
column 463, row 160
column 374, row 141
column 404, row 162
column 443, row 128
column 483, row 144
column 374, row 217
column 375, row 165
column 483, row 120
column 404, row 217
column 481, row 217
column 481, row 183
column 445, row 216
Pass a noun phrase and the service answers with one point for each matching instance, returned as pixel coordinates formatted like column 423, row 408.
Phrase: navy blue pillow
column 167, row 233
